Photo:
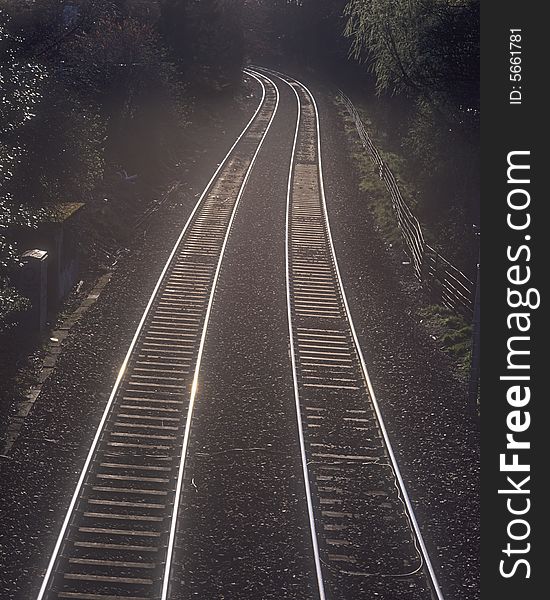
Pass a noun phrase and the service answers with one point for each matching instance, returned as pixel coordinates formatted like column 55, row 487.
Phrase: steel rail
column 436, row 590
column 44, row 588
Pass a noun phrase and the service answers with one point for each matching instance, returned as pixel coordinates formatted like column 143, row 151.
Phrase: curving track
column 364, row 533
column 118, row 534
column 118, row 537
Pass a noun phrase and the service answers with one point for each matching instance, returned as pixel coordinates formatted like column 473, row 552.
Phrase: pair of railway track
column 118, row 536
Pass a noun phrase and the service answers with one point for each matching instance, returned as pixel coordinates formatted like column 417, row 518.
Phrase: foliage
column 103, row 71
column 119, row 72
column 205, row 37
column 427, row 52
column 369, row 180
column 20, row 82
column 452, row 331
column 11, row 302
column 424, row 47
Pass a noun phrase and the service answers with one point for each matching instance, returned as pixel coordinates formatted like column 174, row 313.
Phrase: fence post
column 434, row 285
column 474, row 369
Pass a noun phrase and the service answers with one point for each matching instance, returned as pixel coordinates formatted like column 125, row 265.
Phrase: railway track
column 365, row 537
column 118, row 535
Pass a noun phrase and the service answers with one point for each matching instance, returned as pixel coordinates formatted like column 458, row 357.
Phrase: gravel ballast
column 244, row 532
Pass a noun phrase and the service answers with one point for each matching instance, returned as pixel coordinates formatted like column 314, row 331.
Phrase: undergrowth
column 452, row 332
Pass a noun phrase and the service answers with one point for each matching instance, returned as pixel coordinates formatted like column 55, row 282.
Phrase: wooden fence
column 445, row 282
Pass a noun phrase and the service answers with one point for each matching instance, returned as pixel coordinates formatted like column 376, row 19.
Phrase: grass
column 452, row 331
column 378, row 197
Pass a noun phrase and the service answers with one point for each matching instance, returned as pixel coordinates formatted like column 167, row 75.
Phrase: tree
column 427, row 52
column 205, row 38
column 426, row 48
column 20, row 82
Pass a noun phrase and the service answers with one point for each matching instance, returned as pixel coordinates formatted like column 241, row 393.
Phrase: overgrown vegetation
column 20, row 84
column 427, row 53
column 420, row 59
column 97, row 94
column 369, row 180
column 452, row 331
